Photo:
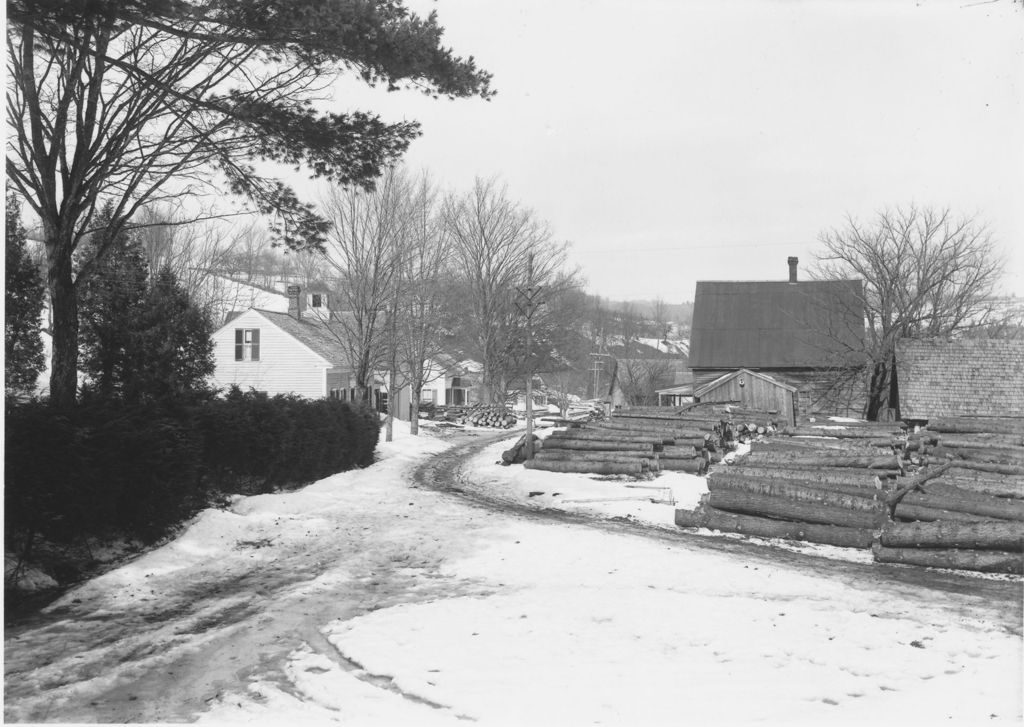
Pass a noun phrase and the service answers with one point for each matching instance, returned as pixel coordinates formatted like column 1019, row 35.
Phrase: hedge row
column 110, row 469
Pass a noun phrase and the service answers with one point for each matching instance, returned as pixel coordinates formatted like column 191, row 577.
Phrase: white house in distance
column 447, row 382
column 300, row 352
column 292, row 352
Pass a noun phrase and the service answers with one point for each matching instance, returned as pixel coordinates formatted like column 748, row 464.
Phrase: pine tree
column 23, row 306
column 171, row 349
column 108, row 306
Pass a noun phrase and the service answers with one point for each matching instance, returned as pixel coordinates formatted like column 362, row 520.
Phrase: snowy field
column 365, row 600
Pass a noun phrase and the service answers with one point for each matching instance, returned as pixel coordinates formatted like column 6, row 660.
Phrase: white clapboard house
column 294, row 352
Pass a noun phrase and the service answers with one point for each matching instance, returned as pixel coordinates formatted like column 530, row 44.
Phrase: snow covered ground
column 365, row 600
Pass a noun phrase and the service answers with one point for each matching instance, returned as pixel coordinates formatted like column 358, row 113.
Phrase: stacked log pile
column 647, row 441
column 951, row 495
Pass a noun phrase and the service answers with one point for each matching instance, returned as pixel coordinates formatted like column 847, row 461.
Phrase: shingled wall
column 940, row 378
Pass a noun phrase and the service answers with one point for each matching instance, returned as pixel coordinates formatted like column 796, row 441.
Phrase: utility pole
column 527, row 302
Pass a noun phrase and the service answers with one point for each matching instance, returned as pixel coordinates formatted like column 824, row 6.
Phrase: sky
column 671, row 141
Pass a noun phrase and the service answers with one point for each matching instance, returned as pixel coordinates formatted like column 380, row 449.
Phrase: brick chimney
column 792, row 268
column 296, row 302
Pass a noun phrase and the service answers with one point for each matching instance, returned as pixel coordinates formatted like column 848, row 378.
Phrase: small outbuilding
column 751, row 390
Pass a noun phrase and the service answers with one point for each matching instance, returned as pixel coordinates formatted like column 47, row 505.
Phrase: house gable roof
column 769, row 324
column 741, row 372
column 940, row 378
column 323, row 338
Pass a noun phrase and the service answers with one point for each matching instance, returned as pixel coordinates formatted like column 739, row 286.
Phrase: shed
column 752, row 390
column 675, row 395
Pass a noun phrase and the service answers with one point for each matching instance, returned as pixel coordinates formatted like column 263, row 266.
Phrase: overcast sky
column 674, row 141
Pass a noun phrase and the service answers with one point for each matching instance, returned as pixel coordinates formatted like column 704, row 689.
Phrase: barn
column 805, row 334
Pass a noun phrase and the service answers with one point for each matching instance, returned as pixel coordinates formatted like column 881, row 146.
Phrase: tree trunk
column 392, row 403
column 1002, row 488
column 584, row 467
column 905, row 511
column 800, row 493
column 610, row 446
column 572, row 454
column 64, row 309
column 776, row 507
column 709, row 517
column 976, row 535
column 823, row 475
column 977, row 505
column 693, row 466
column 984, row 561
column 414, row 410
column 584, row 435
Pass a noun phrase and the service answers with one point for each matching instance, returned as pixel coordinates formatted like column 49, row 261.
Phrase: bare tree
column 364, row 249
column 660, row 314
column 926, row 273
column 639, row 379
column 131, row 104
column 493, row 239
column 424, row 303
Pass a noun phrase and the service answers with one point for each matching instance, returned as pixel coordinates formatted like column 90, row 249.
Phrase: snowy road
column 368, row 598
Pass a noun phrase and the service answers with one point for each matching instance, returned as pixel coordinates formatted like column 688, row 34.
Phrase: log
column 977, row 535
column 676, row 432
column 834, row 433
column 708, row 517
column 977, row 505
column 838, row 475
column 694, row 466
column 924, row 513
column 1001, row 488
column 991, row 467
column 596, row 445
column 869, row 491
column 1001, row 455
column 679, row 452
column 582, row 467
column 984, row 561
column 605, row 455
column 779, row 508
column 977, row 425
column 981, row 441
column 822, row 460
column 874, row 504
column 587, row 435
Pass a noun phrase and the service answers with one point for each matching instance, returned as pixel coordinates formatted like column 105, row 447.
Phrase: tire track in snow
column 1002, row 601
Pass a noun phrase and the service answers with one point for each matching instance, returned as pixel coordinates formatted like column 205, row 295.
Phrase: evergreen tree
column 109, row 304
column 171, row 350
column 23, row 306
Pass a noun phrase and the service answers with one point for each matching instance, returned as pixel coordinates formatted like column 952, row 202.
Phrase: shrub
column 111, row 468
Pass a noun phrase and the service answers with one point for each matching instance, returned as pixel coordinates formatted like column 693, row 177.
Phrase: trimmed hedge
column 111, row 469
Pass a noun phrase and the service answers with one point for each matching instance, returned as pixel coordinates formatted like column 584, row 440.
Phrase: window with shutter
column 247, row 344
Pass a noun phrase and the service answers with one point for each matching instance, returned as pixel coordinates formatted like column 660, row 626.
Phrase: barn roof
column 769, row 324
column 940, row 378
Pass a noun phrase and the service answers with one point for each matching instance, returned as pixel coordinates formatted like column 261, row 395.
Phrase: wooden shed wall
column 756, row 393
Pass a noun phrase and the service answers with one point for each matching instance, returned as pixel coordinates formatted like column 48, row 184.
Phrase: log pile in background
column 951, row 495
column 637, row 442
column 489, row 415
